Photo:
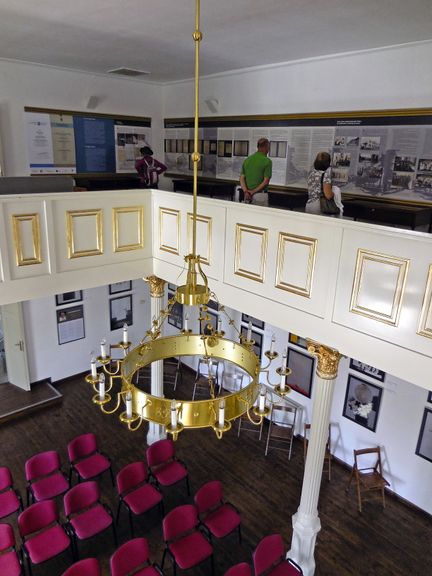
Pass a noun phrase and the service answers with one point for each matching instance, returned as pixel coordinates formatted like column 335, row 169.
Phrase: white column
column 157, row 290
column 306, row 523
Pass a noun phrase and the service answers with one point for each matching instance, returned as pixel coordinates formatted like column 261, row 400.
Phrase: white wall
column 379, row 79
column 40, row 86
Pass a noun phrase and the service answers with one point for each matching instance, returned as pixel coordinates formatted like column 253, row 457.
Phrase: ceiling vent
column 131, row 72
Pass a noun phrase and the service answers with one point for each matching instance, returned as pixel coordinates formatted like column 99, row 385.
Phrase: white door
column 15, row 347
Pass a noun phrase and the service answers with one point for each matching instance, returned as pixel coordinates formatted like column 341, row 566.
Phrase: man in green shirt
column 256, row 173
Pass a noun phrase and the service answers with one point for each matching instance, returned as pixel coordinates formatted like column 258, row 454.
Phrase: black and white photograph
column 69, row 297
column 368, row 158
column 340, row 175
column 424, row 444
column 362, row 402
column 302, row 366
column 121, row 312
column 213, row 304
column 254, row 321
column 339, row 141
column 241, row 148
column 423, row 181
column 352, row 141
column 70, row 324
column 367, row 369
column 278, row 149
column 402, row 180
column 120, row 287
column 341, row 159
column 404, row 164
column 425, row 165
column 257, row 337
column 176, row 315
column 370, row 142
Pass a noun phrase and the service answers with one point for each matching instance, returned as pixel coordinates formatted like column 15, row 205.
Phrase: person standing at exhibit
column 255, row 175
column 149, row 169
column 319, row 179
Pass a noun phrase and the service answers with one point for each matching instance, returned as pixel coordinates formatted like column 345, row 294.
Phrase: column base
column 305, row 530
column 155, row 432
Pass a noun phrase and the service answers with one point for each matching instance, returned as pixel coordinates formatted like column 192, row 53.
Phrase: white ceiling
column 155, row 35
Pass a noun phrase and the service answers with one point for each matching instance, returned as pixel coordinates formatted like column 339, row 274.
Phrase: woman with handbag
column 321, row 197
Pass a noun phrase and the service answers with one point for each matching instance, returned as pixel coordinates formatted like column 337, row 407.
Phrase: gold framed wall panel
column 124, row 214
column 425, row 323
column 76, row 228
column 206, row 220
column 285, row 240
column 168, row 217
column 260, row 252
column 393, row 286
column 23, row 256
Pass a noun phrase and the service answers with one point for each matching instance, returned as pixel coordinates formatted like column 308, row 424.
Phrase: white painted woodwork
column 15, row 345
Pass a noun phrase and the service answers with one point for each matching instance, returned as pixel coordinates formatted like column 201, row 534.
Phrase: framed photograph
column 255, row 322
column 69, row 297
column 301, row 377
column 213, row 305
column 297, row 340
column 366, row 369
column 213, row 319
column 172, row 287
column 429, row 398
column 362, row 402
column 70, row 324
column 120, row 287
column 258, row 337
column 424, row 444
column 176, row 316
column 121, row 312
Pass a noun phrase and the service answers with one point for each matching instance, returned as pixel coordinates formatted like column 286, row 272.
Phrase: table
column 290, row 200
column 206, row 188
column 386, row 212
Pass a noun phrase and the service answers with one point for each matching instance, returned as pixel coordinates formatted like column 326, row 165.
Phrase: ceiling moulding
column 129, row 72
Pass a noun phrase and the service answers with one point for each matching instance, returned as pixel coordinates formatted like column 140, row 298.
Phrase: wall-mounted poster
column 120, row 287
column 367, row 369
column 70, row 324
column 429, row 398
column 424, row 444
column 121, row 312
column 302, row 367
column 68, row 297
column 176, row 315
column 362, row 402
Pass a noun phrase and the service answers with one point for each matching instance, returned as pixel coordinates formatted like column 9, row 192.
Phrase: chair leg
column 383, row 497
column 187, row 485
column 118, row 512
column 162, row 508
column 112, row 476
column 131, row 523
column 114, row 534
column 212, row 564
column 329, row 467
column 163, row 558
column 350, row 480
column 359, row 498
column 239, row 534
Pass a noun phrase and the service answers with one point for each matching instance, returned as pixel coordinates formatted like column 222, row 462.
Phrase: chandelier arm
column 117, row 406
column 141, row 418
column 116, row 371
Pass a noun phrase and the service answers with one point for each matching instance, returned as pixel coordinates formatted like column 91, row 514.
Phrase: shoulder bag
column 327, row 206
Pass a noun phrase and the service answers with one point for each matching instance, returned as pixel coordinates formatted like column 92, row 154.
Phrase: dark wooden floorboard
column 391, row 542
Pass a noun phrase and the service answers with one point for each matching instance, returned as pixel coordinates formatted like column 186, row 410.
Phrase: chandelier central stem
column 197, row 36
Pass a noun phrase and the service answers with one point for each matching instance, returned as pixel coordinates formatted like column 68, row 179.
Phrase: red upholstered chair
column 269, row 558
column 164, row 466
column 85, row 458
column 87, row 567
column 45, row 480
column 242, row 569
column 10, row 498
column 10, row 562
column 133, row 558
column 184, row 542
column 85, row 513
column 218, row 516
column 136, row 493
column 41, row 532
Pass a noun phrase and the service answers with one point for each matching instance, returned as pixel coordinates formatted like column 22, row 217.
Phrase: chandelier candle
column 103, row 349
column 129, row 406
column 101, row 386
column 249, row 332
column 93, row 368
column 125, row 333
column 261, row 401
column 173, row 415
column 222, row 413
column 186, row 322
column 273, row 340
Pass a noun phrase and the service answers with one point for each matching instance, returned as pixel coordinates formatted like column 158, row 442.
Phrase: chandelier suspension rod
column 197, row 36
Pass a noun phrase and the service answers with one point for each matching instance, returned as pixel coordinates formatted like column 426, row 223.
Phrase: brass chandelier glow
column 217, row 412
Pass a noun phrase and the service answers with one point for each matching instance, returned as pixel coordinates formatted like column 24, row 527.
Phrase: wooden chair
column 327, row 457
column 281, row 428
column 369, row 477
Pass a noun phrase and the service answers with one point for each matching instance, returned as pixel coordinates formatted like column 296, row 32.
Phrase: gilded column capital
column 157, row 286
column 328, row 359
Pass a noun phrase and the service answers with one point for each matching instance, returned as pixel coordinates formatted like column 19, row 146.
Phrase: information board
column 65, row 142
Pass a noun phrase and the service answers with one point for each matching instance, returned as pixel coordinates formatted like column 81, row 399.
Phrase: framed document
column 367, row 369
column 424, row 444
column 255, row 322
column 176, row 316
column 121, row 312
column 301, row 377
column 70, row 324
column 362, row 402
column 120, row 287
column 69, row 297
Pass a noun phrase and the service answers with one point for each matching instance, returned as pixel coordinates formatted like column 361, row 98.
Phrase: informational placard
column 380, row 154
column 61, row 142
column 70, row 324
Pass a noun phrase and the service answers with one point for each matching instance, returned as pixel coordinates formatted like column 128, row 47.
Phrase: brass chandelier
column 217, row 412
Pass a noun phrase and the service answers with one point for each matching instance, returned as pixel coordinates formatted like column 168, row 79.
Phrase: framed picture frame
column 213, row 305
column 176, row 316
column 121, row 312
column 213, row 320
column 258, row 337
column 120, row 287
column 367, row 369
column 70, row 324
column 301, row 377
column 362, row 402
column 429, row 398
column 69, row 297
column 297, row 340
column 245, row 318
column 172, row 287
column 424, row 443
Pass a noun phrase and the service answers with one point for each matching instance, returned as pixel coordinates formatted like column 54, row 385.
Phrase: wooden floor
column 391, row 542
column 15, row 402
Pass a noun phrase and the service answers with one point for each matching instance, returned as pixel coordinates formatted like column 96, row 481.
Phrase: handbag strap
column 322, row 188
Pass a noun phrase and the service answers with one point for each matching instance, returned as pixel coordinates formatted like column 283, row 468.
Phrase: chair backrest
column 283, row 414
column 80, row 497
column 242, row 569
column 7, row 538
column 129, row 556
column 371, row 465
column 82, row 446
column 86, row 567
column 178, row 521
column 269, row 550
column 37, row 516
column 5, row 478
column 130, row 476
column 160, row 452
column 42, row 464
column 208, row 496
